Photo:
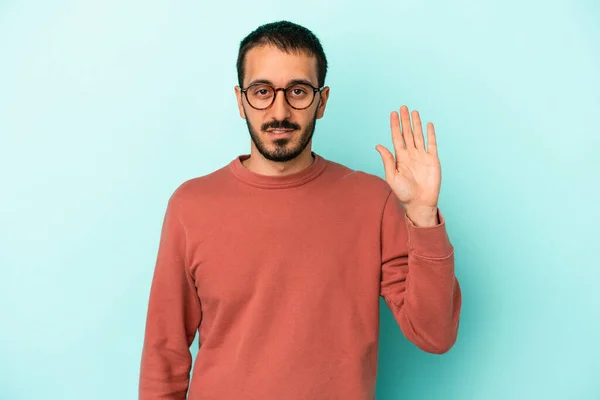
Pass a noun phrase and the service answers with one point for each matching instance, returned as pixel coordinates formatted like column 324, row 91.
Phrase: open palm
column 414, row 174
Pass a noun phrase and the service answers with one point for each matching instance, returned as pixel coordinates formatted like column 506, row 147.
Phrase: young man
column 278, row 259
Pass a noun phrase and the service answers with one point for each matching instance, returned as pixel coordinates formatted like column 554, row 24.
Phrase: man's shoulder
column 200, row 186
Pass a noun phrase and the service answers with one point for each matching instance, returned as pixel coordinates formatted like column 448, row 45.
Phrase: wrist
column 423, row 216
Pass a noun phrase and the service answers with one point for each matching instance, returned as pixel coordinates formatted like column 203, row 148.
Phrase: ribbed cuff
column 429, row 241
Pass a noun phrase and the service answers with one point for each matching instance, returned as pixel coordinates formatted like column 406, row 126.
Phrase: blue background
column 107, row 106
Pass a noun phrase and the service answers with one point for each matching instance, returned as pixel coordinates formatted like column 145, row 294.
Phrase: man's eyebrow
column 291, row 82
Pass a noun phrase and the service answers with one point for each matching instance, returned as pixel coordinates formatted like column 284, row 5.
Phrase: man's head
column 279, row 54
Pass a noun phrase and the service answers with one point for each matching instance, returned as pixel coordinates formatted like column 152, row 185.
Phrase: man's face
column 271, row 64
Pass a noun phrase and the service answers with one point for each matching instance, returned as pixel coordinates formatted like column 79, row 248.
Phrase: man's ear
column 323, row 97
column 238, row 95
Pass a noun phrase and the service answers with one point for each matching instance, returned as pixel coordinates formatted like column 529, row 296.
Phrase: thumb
column 389, row 163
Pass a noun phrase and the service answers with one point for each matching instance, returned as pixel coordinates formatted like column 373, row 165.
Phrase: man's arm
column 417, row 279
column 174, row 313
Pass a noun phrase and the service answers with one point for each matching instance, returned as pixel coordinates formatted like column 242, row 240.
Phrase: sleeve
column 417, row 279
column 173, row 317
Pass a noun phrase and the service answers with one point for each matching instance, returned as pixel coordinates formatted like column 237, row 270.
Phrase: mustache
column 285, row 124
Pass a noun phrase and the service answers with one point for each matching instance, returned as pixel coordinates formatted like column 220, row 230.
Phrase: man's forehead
column 272, row 65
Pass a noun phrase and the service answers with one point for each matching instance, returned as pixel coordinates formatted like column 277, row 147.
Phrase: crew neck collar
column 277, row 181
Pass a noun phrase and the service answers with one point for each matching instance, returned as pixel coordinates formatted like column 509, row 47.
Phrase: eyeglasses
column 261, row 96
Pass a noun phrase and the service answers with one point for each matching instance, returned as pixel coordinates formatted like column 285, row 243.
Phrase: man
column 278, row 259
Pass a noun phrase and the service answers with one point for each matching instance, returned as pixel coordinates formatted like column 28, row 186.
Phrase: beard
column 288, row 148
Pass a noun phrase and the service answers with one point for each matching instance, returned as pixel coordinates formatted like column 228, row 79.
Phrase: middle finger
column 406, row 128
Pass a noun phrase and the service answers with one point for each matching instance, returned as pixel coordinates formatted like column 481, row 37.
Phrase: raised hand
column 414, row 175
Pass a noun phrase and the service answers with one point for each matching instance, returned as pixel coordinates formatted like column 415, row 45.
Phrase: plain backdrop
column 107, row 106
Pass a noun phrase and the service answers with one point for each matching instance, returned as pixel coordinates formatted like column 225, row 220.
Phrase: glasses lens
column 300, row 95
column 260, row 96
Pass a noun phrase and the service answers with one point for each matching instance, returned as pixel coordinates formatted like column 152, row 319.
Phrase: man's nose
column 280, row 108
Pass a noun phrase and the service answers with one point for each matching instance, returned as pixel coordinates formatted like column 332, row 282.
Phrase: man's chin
column 282, row 151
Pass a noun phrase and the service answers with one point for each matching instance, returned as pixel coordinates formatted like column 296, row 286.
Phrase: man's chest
column 277, row 251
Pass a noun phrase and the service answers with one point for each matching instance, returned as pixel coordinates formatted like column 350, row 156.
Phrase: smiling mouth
column 280, row 131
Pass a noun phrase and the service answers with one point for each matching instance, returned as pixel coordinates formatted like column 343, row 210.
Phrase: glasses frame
column 275, row 90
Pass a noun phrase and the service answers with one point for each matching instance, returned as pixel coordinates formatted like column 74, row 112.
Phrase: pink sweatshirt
column 281, row 277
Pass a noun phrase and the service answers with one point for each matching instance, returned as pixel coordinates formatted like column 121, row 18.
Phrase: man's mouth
column 280, row 131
